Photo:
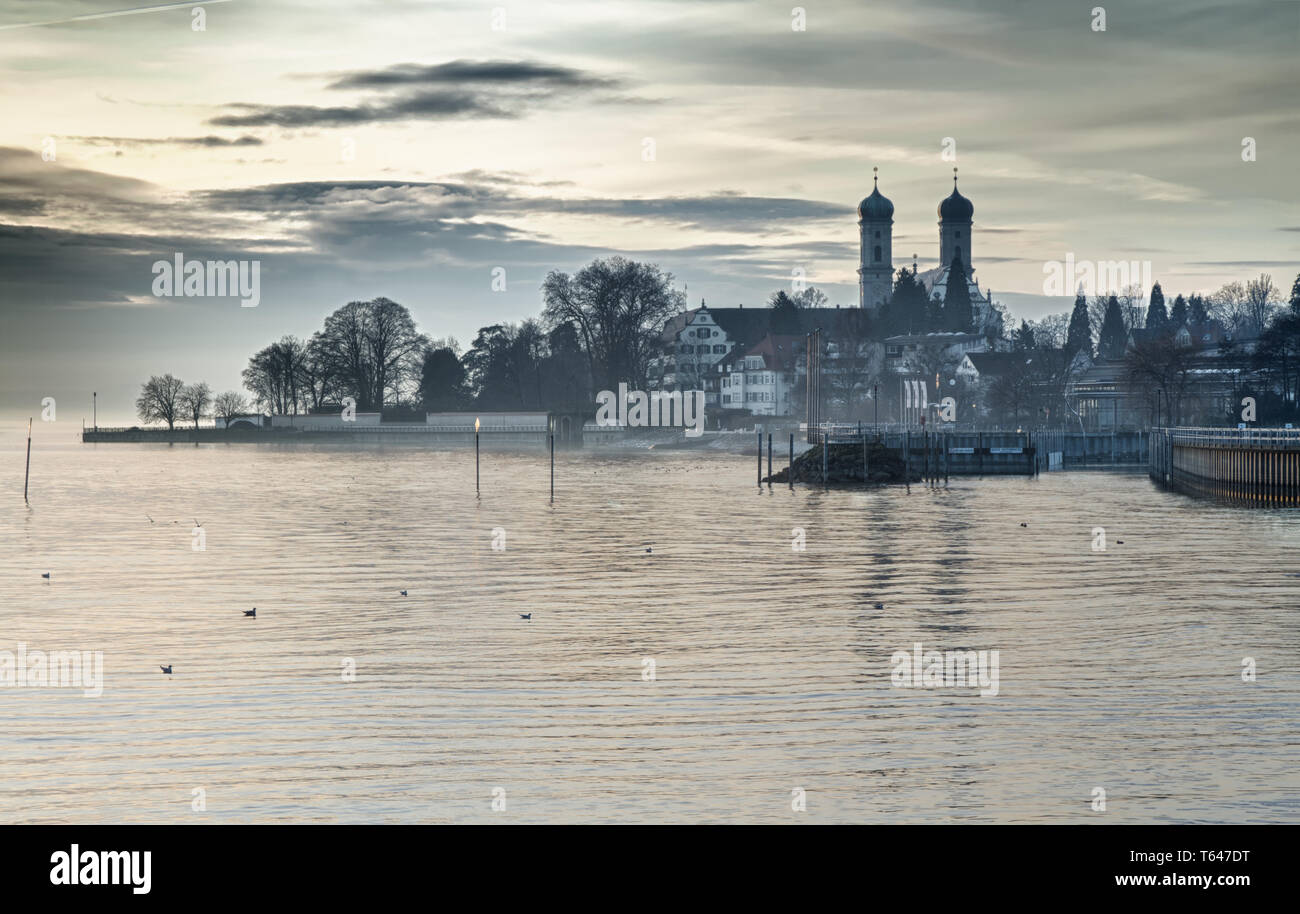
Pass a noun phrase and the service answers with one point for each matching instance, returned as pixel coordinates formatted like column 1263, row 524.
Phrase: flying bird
column 166, row 669
column 251, row 612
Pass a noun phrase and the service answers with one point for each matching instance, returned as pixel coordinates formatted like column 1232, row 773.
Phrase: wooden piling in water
column 27, row 471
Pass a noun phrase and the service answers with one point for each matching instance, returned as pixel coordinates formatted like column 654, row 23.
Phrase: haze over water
column 1119, row 670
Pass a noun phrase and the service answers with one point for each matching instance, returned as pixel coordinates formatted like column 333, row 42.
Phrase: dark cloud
column 208, row 141
column 517, row 73
column 457, row 89
column 424, row 105
column 429, row 201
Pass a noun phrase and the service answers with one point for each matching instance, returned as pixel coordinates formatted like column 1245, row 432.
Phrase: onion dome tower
column 875, row 263
column 955, row 216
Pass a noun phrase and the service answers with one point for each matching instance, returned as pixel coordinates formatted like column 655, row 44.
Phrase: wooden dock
column 1255, row 466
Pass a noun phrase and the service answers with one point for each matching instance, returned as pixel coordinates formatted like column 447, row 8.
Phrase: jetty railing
column 1257, row 466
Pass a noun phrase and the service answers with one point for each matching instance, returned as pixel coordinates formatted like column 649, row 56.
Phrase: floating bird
column 45, row 575
column 879, row 605
column 251, row 612
column 1121, row 542
column 525, row 615
column 166, row 669
column 403, row 593
column 1024, row 524
column 151, row 520
column 649, row 549
column 196, row 522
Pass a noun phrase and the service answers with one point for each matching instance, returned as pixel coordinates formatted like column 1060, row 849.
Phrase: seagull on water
column 1023, row 524
column 403, row 593
column 251, row 612
column 879, row 605
column 649, row 549
column 166, row 669
column 526, row 616
column 46, row 575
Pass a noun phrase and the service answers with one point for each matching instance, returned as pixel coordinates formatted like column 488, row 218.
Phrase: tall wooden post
column 27, row 472
column 907, row 459
column 769, row 460
column 790, row 472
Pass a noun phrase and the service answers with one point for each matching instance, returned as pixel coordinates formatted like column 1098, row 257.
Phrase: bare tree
column 1161, row 372
column 373, row 351
column 1050, row 331
column 194, row 400
column 159, row 400
column 618, row 308
column 1244, row 308
column 274, row 375
column 226, row 406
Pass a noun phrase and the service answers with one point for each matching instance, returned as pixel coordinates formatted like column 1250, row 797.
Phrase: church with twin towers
column 876, row 264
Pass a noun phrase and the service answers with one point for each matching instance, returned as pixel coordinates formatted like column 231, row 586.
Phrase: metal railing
column 1269, row 438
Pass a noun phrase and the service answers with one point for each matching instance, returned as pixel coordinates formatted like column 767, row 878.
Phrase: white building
column 761, row 379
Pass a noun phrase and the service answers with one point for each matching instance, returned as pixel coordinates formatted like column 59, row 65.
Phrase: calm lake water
column 1118, row 669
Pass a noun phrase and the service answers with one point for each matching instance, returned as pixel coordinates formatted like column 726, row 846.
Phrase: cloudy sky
column 407, row 149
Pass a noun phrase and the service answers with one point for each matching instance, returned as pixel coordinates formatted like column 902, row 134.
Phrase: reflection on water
column 1119, row 670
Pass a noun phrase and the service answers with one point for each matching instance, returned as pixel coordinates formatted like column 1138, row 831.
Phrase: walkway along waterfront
column 1258, row 466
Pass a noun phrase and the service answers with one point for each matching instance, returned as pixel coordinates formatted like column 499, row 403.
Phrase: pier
column 998, row 452
column 1256, row 466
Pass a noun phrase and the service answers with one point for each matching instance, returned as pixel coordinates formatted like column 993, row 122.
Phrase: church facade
column 875, row 262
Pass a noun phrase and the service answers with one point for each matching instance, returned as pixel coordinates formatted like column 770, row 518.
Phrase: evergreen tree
column 1112, row 340
column 1295, row 295
column 785, row 314
column 1024, row 338
column 1079, row 337
column 1178, row 314
column 907, row 309
column 956, row 299
column 1198, row 312
column 1157, row 317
